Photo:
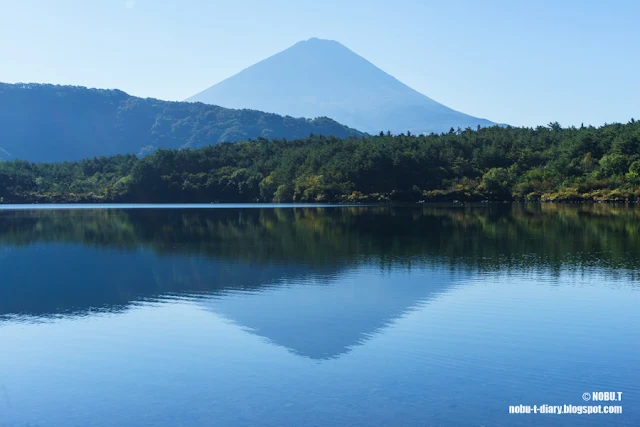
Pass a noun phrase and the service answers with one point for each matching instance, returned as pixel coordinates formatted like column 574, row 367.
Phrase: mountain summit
column 317, row 77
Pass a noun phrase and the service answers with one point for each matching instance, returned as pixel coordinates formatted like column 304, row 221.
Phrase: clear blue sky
column 517, row 62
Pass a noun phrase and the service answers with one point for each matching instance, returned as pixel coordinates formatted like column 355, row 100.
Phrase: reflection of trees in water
column 78, row 260
column 486, row 237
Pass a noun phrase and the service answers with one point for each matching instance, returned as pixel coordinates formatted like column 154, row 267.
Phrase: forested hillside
column 547, row 163
column 61, row 123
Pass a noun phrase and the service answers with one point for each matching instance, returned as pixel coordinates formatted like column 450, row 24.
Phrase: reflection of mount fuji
column 323, row 319
column 315, row 281
column 314, row 312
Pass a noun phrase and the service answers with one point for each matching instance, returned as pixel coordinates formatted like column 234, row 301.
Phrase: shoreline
column 231, row 205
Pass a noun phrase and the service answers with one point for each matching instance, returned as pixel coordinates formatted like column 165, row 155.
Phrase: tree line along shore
column 543, row 164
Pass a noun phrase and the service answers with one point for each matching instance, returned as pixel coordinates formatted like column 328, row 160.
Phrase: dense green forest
column 543, row 164
column 47, row 123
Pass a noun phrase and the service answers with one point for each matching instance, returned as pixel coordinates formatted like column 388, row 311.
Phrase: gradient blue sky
column 517, row 62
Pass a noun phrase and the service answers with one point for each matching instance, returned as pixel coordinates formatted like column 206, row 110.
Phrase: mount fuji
column 316, row 78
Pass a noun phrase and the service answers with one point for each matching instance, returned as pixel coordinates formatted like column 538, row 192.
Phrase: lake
column 318, row 316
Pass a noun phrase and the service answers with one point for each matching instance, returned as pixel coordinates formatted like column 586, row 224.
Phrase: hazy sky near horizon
column 516, row 62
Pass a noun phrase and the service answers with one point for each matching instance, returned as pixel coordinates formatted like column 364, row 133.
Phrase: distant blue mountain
column 47, row 123
column 317, row 78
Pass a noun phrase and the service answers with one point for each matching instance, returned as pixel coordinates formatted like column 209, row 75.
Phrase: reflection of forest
column 494, row 236
column 74, row 261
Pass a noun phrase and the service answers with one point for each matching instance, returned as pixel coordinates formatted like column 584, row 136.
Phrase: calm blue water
column 333, row 316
